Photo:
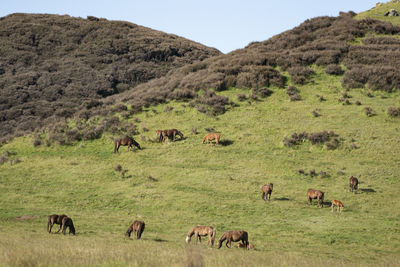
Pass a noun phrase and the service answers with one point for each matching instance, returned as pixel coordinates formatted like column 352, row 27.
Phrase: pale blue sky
column 226, row 25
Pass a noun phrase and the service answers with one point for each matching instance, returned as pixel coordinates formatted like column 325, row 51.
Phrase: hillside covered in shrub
column 101, row 71
column 51, row 64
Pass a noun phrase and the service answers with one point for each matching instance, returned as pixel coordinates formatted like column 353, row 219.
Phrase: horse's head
column 187, row 239
column 72, row 228
column 128, row 233
column 219, row 243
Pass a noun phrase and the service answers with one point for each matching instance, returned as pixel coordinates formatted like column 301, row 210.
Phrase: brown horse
column 241, row 245
column 54, row 219
column 125, row 141
column 338, row 204
column 137, row 227
column 199, row 231
column 67, row 222
column 171, row 133
column 315, row 194
column 234, row 236
column 267, row 191
column 353, row 183
column 211, row 136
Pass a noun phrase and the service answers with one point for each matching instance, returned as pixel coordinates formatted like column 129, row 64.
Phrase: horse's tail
column 213, row 233
column 115, row 146
column 136, row 144
column 140, row 230
column 48, row 223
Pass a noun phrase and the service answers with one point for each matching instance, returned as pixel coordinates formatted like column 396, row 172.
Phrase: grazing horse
column 67, row 222
column 125, row 141
column 315, row 194
column 353, row 183
column 241, row 245
column 137, row 227
column 234, row 236
column 211, row 136
column 54, row 219
column 338, row 204
column 267, row 191
column 172, row 133
column 199, row 231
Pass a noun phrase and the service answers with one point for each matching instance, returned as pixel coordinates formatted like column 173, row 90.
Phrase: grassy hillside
column 379, row 10
column 174, row 186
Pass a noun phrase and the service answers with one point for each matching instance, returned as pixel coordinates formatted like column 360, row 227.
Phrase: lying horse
column 338, row 204
column 234, row 236
column 172, row 133
column 67, row 222
column 211, row 136
column 54, row 219
column 137, row 227
column 199, row 231
column 353, row 183
column 315, row 194
column 125, row 141
column 267, row 191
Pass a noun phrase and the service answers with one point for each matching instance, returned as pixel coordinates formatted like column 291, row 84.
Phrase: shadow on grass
column 226, row 142
column 160, row 240
column 281, row 199
column 367, row 190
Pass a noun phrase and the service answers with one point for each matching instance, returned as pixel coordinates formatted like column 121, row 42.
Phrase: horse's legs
column 59, row 229
column 309, row 200
column 262, row 196
column 51, row 226
column 269, row 196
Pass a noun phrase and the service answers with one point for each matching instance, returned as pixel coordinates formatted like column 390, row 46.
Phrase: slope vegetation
column 52, row 64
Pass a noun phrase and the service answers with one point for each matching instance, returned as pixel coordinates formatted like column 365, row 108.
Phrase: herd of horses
column 198, row 231
column 162, row 136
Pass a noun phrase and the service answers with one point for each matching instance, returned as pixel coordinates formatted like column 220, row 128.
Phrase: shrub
column 369, row 112
column 37, row 141
column 168, row 108
column 293, row 93
column 241, row 97
column 299, row 74
column 394, row 112
column 333, row 69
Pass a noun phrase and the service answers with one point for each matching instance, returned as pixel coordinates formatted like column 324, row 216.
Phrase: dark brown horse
column 125, row 141
column 171, row 133
column 137, row 227
column 55, row 219
column 67, row 222
column 267, row 191
column 234, row 236
column 199, row 231
column 353, row 183
column 315, row 194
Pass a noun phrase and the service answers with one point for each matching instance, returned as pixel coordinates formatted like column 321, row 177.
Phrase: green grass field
column 220, row 185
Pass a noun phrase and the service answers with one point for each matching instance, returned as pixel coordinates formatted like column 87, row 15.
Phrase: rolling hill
column 307, row 108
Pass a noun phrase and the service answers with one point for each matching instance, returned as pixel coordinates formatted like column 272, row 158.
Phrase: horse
column 211, row 136
column 54, row 219
column 234, row 236
column 338, row 204
column 267, row 191
column 315, row 194
column 241, row 245
column 199, row 231
column 137, row 227
column 67, row 222
column 353, row 183
column 125, row 141
column 171, row 133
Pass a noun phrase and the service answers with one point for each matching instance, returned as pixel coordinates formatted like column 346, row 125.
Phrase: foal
column 338, row 204
column 211, row 136
column 353, row 182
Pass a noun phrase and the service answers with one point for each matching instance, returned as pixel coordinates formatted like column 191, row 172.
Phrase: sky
column 223, row 24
